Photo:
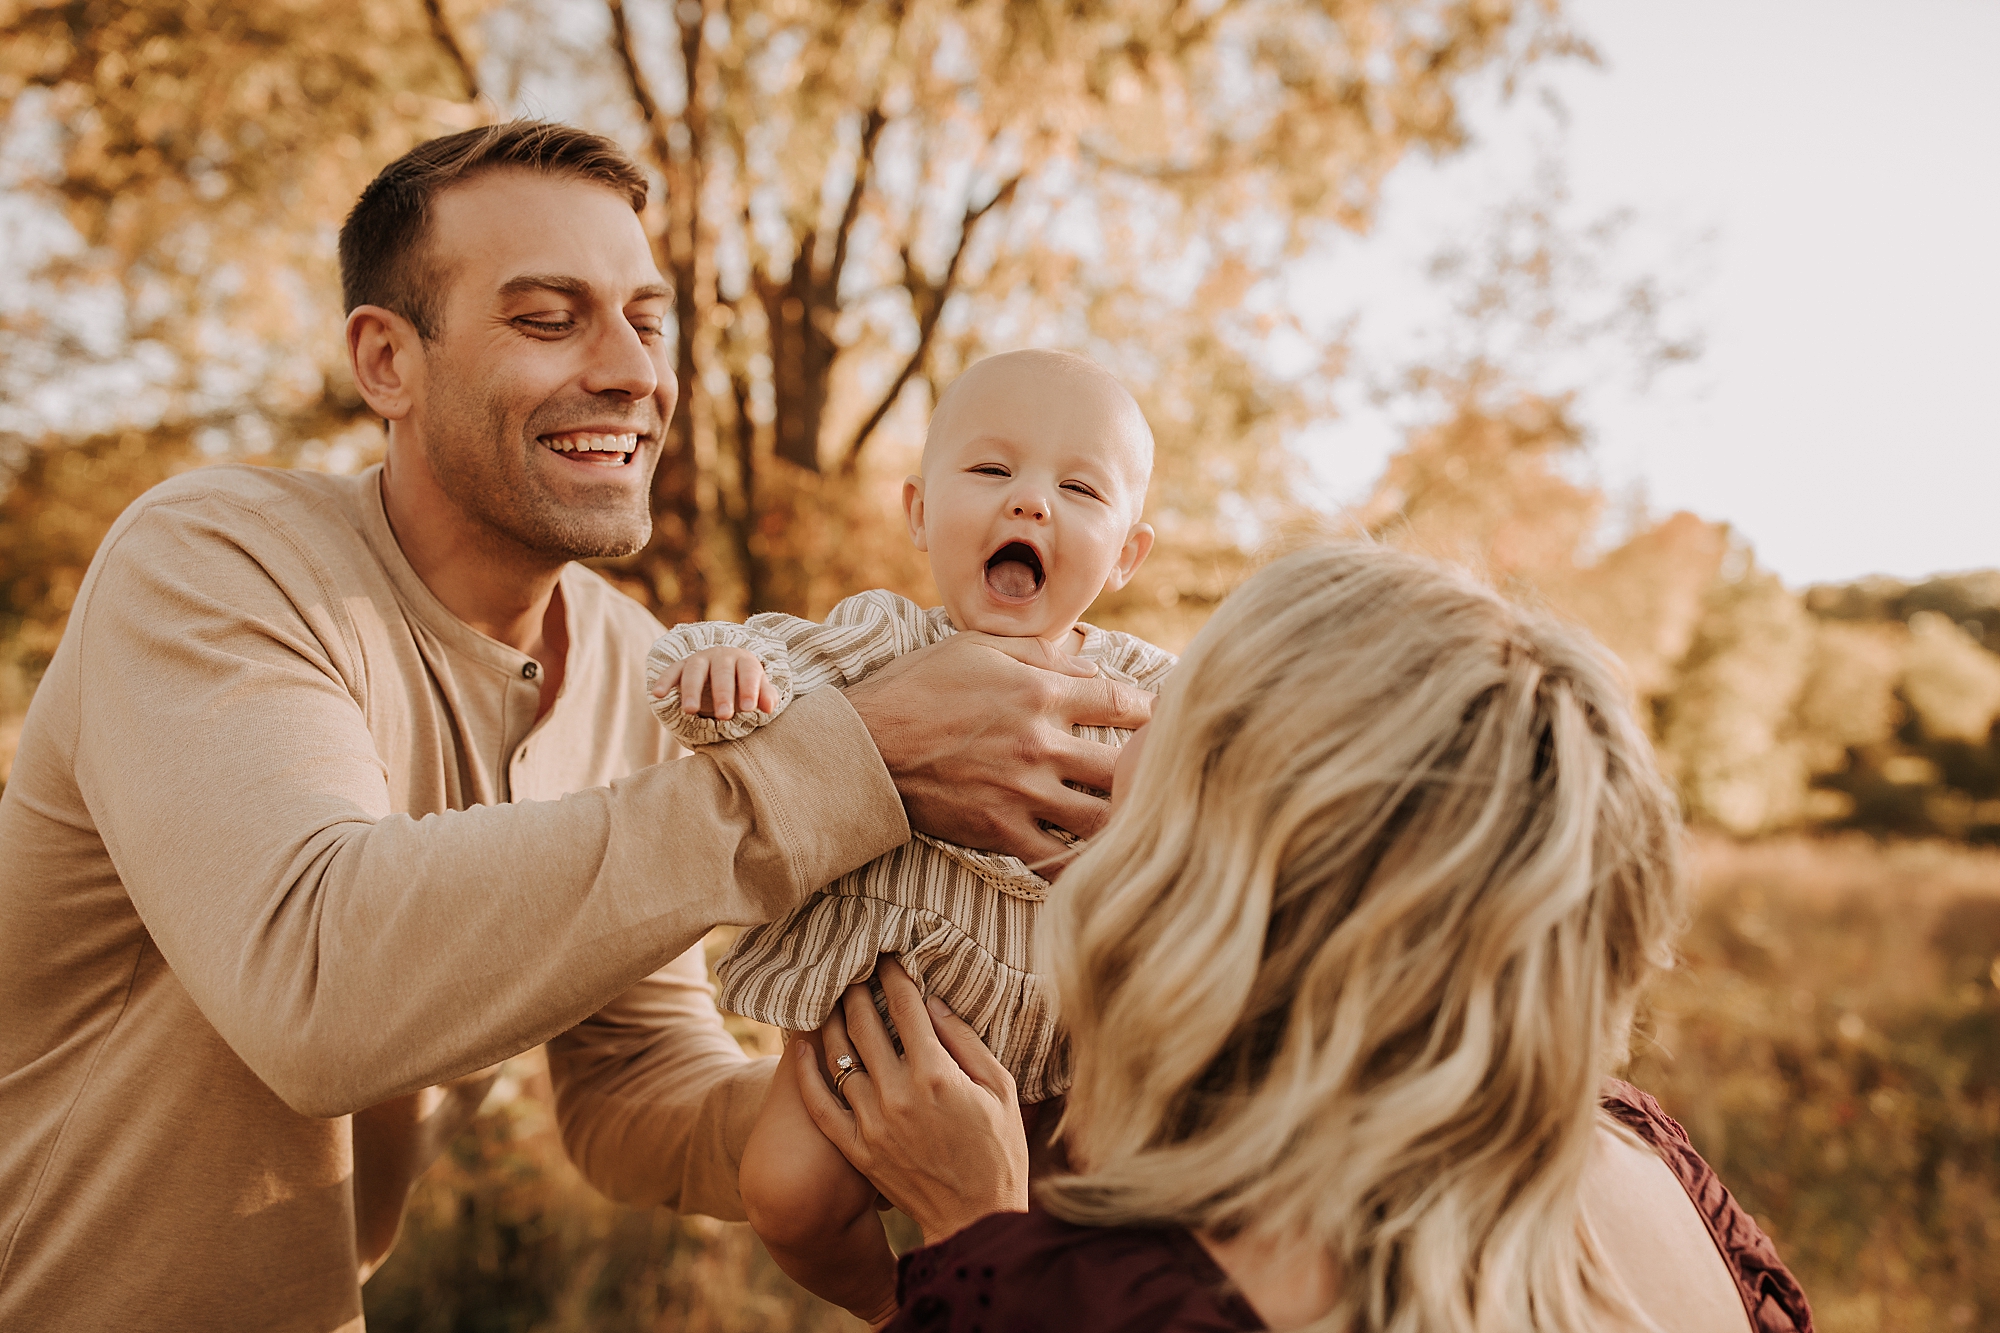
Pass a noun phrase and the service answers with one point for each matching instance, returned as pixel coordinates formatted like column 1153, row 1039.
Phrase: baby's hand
column 733, row 676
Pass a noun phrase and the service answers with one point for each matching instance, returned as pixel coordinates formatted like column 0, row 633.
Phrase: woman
column 1344, row 979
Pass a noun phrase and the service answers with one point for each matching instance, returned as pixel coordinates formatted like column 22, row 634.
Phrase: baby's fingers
column 694, row 675
column 749, row 681
column 722, row 684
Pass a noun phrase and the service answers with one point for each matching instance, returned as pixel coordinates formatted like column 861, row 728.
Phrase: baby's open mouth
column 1014, row 572
column 594, row 446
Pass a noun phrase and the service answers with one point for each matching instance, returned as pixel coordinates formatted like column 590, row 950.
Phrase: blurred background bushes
column 856, row 200
column 505, row 1237
column 1832, row 1044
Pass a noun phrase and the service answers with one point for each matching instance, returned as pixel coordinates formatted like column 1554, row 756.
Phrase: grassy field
column 1832, row 1045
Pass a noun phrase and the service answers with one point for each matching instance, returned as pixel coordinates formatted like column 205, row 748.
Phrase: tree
column 177, row 172
column 863, row 196
column 860, row 197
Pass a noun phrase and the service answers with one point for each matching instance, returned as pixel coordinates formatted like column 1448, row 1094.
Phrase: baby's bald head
column 1040, row 390
column 1034, row 480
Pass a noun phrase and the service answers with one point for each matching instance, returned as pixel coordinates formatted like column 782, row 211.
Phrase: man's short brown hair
column 382, row 243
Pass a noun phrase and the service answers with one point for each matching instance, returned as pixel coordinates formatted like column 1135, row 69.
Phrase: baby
column 1034, row 475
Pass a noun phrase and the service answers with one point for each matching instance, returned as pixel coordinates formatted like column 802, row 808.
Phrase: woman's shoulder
column 1021, row 1272
column 1771, row 1296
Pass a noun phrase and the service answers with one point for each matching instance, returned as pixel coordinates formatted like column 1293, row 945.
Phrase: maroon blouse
column 1033, row 1273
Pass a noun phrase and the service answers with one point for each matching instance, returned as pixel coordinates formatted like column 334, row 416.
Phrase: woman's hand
column 937, row 1129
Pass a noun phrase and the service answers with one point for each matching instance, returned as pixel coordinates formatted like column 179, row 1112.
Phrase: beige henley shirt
column 284, row 840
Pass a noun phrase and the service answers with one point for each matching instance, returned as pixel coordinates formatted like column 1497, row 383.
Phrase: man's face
column 547, row 390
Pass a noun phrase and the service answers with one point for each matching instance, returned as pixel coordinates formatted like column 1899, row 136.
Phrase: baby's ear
column 1138, row 545
column 913, row 510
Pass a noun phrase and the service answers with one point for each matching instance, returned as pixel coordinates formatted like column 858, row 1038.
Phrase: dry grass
column 1832, row 1044
column 505, row 1237
column 1833, row 1047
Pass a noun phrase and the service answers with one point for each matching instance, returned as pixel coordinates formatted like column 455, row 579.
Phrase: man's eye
column 550, row 326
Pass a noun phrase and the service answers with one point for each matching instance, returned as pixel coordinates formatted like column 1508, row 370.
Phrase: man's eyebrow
column 564, row 285
column 560, row 283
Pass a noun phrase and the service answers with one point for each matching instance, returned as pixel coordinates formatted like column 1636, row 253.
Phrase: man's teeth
column 592, row 444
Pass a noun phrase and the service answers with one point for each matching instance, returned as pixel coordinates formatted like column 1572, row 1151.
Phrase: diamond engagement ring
column 844, row 1068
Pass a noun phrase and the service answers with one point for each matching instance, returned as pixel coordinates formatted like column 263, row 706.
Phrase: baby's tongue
column 1011, row 578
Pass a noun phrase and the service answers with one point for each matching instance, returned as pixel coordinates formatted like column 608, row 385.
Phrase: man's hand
column 976, row 733
column 937, row 1128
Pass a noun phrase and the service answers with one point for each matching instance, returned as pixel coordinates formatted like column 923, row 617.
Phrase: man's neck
column 485, row 579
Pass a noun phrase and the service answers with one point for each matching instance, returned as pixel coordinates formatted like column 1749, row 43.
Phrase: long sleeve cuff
column 684, row 641
column 823, row 787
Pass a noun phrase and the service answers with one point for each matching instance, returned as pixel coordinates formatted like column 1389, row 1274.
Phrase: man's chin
column 596, row 541
column 583, row 521
column 573, row 531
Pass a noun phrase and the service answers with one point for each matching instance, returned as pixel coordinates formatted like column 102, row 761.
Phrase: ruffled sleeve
column 861, row 635
column 767, row 640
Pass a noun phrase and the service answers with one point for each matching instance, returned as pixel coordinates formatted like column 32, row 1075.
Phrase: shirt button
column 530, row 670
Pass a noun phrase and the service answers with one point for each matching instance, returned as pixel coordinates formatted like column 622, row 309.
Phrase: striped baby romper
column 961, row 920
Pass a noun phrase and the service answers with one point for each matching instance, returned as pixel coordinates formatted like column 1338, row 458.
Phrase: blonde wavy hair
column 1355, row 956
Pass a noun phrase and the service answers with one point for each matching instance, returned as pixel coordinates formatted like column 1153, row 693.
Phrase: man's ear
column 913, row 510
column 1138, row 545
column 385, row 356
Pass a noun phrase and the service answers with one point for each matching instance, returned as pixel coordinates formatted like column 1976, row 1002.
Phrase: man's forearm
column 655, row 1099
column 386, row 954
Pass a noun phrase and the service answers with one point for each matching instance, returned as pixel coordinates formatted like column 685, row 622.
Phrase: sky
column 1818, row 183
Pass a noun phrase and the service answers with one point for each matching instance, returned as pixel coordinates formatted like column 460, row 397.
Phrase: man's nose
column 621, row 364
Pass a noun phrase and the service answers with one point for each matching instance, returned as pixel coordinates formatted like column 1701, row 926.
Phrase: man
column 341, row 789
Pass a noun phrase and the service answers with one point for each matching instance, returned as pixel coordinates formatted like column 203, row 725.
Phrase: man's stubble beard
column 472, row 468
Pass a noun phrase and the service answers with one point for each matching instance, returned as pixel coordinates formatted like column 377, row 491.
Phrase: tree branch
column 635, row 79
column 871, row 132
column 864, row 166
column 441, row 29
column 671, row 559
column 928, row 299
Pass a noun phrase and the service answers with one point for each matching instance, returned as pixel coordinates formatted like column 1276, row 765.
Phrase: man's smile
column 593, row 447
